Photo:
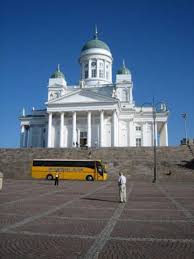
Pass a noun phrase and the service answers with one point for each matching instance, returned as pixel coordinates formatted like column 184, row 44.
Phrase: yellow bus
column 88, row 170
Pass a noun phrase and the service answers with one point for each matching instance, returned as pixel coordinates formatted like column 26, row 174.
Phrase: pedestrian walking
column 122, row 187
column 57, row 178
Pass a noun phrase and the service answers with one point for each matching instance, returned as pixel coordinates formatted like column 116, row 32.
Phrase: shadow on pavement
column 97, row 199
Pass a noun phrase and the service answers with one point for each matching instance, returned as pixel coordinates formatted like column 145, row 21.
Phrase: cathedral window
column 93, row 68
column 138, row 128
column 86, row 73
column 107, row 75
column 93, row 72
column 101, row 73
column 86, row 70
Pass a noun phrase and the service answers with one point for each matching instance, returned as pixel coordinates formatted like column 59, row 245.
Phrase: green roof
column 57, row 74
column 95, row 43
column 123, row 70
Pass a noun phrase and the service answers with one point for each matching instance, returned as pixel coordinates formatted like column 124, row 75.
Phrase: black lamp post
column 185, row 115
column 155, row 158
column 155, row 110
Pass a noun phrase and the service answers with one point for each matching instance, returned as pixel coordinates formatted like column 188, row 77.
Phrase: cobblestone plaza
column 85, row 220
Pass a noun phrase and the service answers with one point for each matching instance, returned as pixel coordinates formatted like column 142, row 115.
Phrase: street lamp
column 185, row 115
column 156, row 108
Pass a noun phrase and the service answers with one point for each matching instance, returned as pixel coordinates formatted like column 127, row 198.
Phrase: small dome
column 57, row 74
column 95, row 43
column 123, row 70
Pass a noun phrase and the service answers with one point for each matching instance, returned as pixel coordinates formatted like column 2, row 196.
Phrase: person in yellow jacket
column 57, row 178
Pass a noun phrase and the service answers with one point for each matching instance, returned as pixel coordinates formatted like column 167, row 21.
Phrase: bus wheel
column 89, row 178
column 49, row 177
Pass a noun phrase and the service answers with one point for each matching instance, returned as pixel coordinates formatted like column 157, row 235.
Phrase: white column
column 101, row 128
column 132, row 134
column 74, row 130
column 166, row 134
column 115, row 137
column 62, row 130
column 22, row 136
column 27, row 135
column 131, row 95
column 97, row 68
column 78, row 137
column 144, row 135
column 89, row 69
column 89, row 129
column 110, row 72
column 50, row 130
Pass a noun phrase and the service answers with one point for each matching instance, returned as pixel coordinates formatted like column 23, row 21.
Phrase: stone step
column 136, row 163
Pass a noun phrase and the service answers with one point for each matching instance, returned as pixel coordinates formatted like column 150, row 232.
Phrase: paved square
column 85, row 220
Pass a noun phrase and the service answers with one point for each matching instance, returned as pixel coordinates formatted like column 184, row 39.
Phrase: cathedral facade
column 95, row 113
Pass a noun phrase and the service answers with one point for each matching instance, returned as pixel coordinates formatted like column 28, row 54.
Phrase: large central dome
column 96, row 62
column 95, row 43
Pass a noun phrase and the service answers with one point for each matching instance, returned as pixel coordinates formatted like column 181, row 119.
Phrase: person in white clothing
column 122, row 187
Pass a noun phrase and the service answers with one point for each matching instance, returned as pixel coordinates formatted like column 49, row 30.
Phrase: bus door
column 99, row 171
column 95, row 171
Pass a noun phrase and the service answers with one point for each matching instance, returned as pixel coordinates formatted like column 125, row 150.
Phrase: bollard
column 1, row 181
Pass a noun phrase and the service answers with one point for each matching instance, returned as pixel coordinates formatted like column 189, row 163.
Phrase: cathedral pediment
column 82, row 96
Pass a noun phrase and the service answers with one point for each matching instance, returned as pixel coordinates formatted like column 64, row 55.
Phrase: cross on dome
column 57, row 73
column 96, row 33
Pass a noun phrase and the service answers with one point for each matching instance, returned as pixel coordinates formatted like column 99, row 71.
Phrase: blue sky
column 155, row 37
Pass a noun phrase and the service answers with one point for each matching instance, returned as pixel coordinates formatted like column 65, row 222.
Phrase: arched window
column 124, row 95
column 101, row 69
column 86, row 70
column 93, row 68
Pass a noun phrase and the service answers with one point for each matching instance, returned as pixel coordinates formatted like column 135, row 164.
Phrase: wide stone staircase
column 173, row 163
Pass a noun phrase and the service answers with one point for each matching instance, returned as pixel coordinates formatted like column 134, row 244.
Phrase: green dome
column 57, row 74
column 95, row 43
column 123, row 70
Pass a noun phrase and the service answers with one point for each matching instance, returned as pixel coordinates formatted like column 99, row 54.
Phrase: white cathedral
column 95, row 113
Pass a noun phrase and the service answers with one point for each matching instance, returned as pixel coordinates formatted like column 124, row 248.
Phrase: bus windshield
column 100, row 168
